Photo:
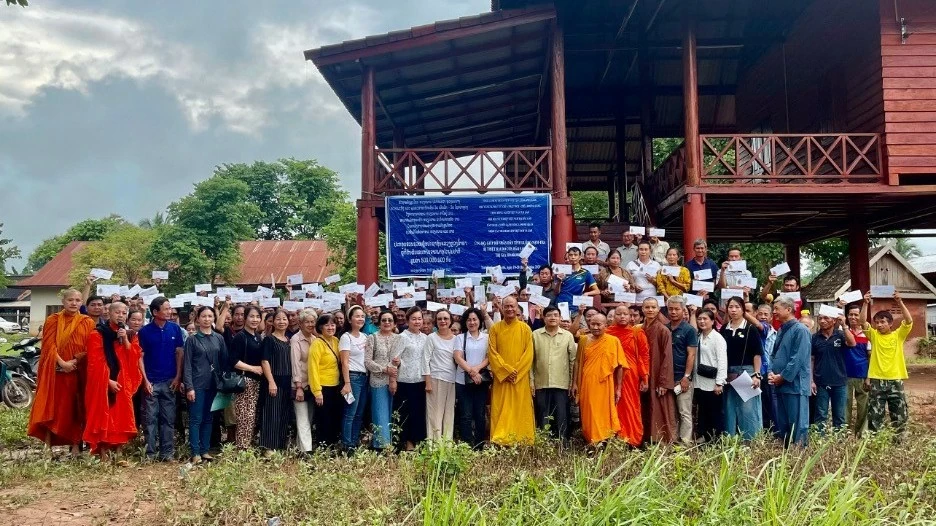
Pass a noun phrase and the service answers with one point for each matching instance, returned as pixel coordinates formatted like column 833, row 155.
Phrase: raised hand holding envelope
column 852, row 296
column 882, row 291
column 527, row 250
column 702, row 275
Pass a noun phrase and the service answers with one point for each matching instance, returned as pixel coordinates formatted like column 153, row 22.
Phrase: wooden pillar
column 367, row 226
column 694, row 209
column 791, row 252
column 620, row 146
column 858, row 257
column 612, row 195
column 563, row 223
column 646, row 107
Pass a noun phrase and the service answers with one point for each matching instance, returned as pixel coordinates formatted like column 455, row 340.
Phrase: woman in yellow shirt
column 671, row 285
column 324, row 375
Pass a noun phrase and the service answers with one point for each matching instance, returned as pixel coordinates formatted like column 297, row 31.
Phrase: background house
column 888, row 267
column 14, row 302
column 259, row 260
column 926, row 266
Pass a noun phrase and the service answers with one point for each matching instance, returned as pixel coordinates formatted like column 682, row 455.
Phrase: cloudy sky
column 113, row 106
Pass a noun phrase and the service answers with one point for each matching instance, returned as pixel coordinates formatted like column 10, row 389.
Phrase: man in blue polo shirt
column 161, row 341
column 829, row 380
column 701, row 262
column 685, row 345
column 579, row 283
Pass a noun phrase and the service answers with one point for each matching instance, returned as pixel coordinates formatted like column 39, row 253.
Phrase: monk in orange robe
column 660, row 424
column 600, row 365
column 635, row 381
column 113, row 377
column 57, row 416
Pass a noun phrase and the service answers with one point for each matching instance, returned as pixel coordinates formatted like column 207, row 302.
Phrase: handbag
column 486, row 376
column 229, row 382
column 707, row 371
column 747, row 336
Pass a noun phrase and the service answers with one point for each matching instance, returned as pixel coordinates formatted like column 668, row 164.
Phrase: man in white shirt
column 594, row 240
column 730, row 279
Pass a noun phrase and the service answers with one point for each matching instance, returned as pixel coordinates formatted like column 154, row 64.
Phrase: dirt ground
column 118, row 500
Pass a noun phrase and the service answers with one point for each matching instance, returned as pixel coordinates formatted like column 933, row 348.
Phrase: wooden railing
column 403, row 171
column 640, row 213
column 785, row 159
column 667, row 178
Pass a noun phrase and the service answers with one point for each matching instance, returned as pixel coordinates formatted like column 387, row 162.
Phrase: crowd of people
column 628, row 343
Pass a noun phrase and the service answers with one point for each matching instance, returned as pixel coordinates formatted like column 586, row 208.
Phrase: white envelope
column 293, row 306
column 188, row 296
column 616, row 281
column 420, row 295
column 334, row 278
column 101, row 273
column 160, row 274
column 203, row 287
column 438, row 273
column 202, row 301
column 583, row 301
column 314, row 288
column 882, row 291
column 527, row 250
column 242, row 297
column 403, row 291
column 795, row 296
column 434, row 307
column 479, row 291
column 593, row 269
column 457, row 309
column 501, row 291
column 656, row 232
column 852, row 296
column 406, row 303
column 445, row 293
column 737, row 266
column 707, row 286
column 476, row 278
column 297, row 295
column 692, row 299
column 294, row 279
column 227, row 291
column 561, row 268
column 513, row 284
column 745, row 281
column 421, row 284
column 730, row 293
column 638, row 230
column 672, row 270
column 780, row 269
column 461, row 283
column 176, row 303
column 316, row 303
column 108, row 290
column 334, row 297
column 564, row 310
column 456, row 293
column 534, row 290
column 373, row 289
column 264, row 292
column 832, row 312
column 703, row 274
column 270, row 303
column 573, row 245
column 625, row 297
column 542, row 301
column 400, row 284
column 134, row 290
column 524, row 310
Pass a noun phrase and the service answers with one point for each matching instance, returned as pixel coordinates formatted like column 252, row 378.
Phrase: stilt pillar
column 367, row 227
column 858, row 258
column 563, row 222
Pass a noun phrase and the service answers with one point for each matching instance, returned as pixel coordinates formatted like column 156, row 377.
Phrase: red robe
column 58, row 409
column 110, row 420
column 637, row 352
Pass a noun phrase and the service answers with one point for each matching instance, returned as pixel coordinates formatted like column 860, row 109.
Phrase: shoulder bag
column 228, row 382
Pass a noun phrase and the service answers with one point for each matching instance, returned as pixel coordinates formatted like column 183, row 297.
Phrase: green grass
column 11, row 339
column 13, row 428
column 921, row 360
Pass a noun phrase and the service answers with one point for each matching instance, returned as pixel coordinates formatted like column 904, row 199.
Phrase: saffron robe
column 599, row 360
column 660, row 425
column 58, row 409
column 637, row 352
column 109, row 419
column 510, row 350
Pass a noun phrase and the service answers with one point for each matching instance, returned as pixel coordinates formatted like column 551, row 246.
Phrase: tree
column 21, row 3
column 590, row 205
column 211, row 220
column 341, row 237
column 154, row 222
column 179, row 253
column 830, row 251
column 296, row 198
column 87, row 230
column 7, row 251
column 124, row 250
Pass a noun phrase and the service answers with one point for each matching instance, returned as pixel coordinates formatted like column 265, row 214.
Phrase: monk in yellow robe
column 637, row 352
column 57, row 416
column 598, row 373
column 510, row 353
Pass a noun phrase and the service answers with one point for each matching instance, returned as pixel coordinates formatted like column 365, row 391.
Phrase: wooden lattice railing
column 784, row 159
column 667, row 178
column 403, row 171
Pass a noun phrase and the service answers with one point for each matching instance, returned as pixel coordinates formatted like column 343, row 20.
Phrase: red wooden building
column 801, row 119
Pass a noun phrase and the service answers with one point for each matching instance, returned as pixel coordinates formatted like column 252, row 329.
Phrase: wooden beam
column 368, row 135
column 620, row 32
column 558, row 118
column 691, row 104
column 322, row 57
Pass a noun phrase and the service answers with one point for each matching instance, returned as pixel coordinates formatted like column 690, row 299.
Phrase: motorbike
column 28, row 350
column 16, row 391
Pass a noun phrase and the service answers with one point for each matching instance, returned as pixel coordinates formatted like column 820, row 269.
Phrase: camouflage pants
column 887, row 394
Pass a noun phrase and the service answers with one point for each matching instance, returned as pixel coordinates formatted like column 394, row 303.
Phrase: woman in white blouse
column 473, row 380
column 644, row 270
column 709, row 379
column 412, row 363
column 440, row 392
column 353, row 344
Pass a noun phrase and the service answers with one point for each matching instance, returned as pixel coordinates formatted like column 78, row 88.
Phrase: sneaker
column 207, row 458
column 196, row 460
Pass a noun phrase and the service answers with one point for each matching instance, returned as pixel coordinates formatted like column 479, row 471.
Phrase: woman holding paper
column 614, row 268
column 412, row 364
column 644, row 270
column 352, row 345
column 672, row 279
column 383, row 383
column 324, row 374
column 440, row 397
column 744, row 352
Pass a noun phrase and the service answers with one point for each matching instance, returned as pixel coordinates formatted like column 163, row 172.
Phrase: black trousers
column 409, row 403
column 472, row 412
column 552, row 407
column 328, row 416
column 709, row 407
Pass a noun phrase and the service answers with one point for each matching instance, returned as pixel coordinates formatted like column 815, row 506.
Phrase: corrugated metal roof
column 924, row 264
column 259, row 259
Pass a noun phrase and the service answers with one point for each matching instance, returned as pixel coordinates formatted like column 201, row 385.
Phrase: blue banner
column 465, row 234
